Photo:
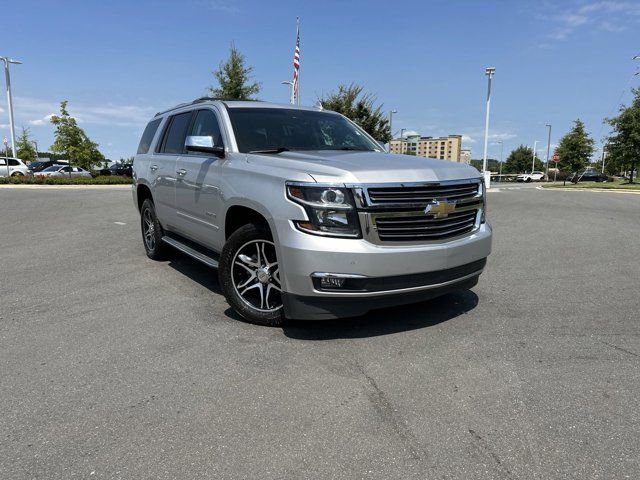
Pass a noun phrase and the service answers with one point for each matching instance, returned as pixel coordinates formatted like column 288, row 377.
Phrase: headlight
column 330, row 209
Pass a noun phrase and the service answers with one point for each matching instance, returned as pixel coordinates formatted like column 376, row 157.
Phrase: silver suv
column 303, row 213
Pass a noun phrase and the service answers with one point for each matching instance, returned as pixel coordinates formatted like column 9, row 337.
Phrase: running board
column 192, row 250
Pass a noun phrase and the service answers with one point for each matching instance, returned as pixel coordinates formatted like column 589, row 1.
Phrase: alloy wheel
column 149, row 230
column 256, row 277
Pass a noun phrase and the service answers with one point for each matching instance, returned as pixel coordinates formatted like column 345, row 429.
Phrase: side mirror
column 204, row 144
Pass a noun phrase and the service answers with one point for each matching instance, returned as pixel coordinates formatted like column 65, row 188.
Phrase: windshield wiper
column 271, row 150
column 354, row 149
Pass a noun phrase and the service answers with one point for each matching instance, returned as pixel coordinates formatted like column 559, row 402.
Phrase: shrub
column 35, row 180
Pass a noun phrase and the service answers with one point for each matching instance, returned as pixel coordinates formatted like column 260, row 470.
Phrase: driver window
column 206, row 125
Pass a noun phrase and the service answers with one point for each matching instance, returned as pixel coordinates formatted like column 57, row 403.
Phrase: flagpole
column 298, row 81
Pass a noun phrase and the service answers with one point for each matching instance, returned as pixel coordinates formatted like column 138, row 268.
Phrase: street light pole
column 291, row 98
column 7, row 76
column 604, row 149
column 391, row 112
column 548, row 147
column 402, row 139
column 533, row 160
column 500, row 171
column 489, row 72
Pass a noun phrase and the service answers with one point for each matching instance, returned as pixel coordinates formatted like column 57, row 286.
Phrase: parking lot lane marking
column 119, row 223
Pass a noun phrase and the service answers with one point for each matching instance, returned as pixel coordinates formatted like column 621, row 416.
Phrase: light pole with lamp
column 548, row 125
column 402, row 140
column 7, row 77
column 291, row 98
column 489, row 72
column 391, row 112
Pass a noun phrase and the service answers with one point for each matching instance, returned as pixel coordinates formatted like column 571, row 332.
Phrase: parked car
column 12, row 167
column 63, row 171
column 40, row 165
column 117, row 169
column 530, row 177
column 303, row 213
column 589, row 176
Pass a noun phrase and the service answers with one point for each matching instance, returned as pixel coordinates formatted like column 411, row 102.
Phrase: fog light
column 330, row 282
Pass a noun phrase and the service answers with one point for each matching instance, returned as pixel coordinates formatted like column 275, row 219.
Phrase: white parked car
column 530, row 177
column 16, row 167
column 63, row 171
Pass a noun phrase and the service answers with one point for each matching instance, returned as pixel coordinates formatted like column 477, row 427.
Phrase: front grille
column 420, row 194
column 397, row 212
column 399, row 228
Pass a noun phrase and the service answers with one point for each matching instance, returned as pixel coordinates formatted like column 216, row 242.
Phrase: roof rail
column 202, row 100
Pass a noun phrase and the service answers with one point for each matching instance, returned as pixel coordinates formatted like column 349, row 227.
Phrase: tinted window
column 206, row 125
column 270, row 128
column 177, row 131
column 147, row 135
column 51, row 169
column 13, row 163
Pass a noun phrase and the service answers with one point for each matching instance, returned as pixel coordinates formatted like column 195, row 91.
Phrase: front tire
column 249, row 276
column 152, row 232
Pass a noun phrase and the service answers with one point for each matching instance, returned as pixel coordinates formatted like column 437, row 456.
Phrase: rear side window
column 176, row 132
column 147, row 135
column 13, row 163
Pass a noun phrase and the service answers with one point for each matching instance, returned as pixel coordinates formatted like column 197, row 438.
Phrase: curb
column 597, row 190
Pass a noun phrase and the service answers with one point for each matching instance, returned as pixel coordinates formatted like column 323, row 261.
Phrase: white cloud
column 611, row 16
column 38, row 112
column 468, row 139
column 41, row 121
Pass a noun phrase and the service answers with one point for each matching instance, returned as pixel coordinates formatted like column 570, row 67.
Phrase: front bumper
column 398, row 267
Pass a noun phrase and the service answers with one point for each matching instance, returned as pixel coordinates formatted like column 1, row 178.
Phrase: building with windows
column 442, row 148
column 465, row 156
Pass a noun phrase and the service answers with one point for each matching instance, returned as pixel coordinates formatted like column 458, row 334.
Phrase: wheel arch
column 240, row 213
column 143, row 191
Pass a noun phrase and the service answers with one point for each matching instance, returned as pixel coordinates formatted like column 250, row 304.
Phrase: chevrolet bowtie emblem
column 440, row 209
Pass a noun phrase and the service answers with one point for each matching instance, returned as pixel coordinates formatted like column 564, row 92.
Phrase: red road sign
column 556, row 157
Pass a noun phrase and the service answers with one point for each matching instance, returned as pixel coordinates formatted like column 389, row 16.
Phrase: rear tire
column 17, row 174
column 152, row 232
column 249, row 276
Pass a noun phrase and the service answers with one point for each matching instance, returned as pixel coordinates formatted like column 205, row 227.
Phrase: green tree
column 71, row 140
column 520, row 161
column 360, row 107
column 575, row 149
column 624, row 142
column 234, row 78
column 24, row 147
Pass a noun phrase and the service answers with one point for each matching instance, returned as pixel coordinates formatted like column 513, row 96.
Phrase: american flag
column 296, row 65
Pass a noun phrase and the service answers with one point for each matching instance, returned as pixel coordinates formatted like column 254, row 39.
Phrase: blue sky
column 119, row 62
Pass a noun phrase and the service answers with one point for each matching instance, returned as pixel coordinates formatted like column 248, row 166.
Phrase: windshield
column 259, row 129
column 52, row 169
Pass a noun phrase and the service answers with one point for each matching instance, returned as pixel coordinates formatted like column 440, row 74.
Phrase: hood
column 367, row 167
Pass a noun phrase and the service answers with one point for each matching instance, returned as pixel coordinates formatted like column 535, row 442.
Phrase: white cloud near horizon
column 37, row 112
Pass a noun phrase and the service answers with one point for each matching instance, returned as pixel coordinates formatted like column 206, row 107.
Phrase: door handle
column 153, row 168
column 182, row 172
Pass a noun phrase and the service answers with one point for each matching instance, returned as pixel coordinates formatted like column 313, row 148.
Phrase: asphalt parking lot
column 115, row 366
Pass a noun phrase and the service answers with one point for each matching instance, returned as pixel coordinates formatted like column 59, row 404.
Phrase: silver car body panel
column 195, row 204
